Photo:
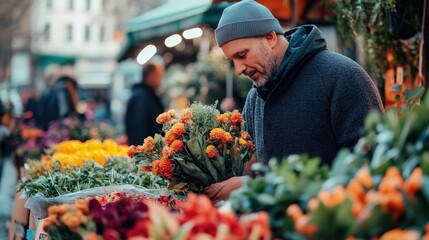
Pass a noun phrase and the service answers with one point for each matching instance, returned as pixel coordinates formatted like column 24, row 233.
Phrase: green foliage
column 398, row 137
column 59, row 181
column 204, row 118
column 368, row 20
column 295, row 180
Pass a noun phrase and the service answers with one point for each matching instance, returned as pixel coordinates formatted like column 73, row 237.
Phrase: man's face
column 252, row 57
column 155, row 77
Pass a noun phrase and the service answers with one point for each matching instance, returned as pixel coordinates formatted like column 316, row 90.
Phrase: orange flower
column 392, row 181
column 148, row 144
column 363, row 176
column 177, row 146
column 245, row 135
column 294, row 211
column 303, row 228
column 165, row 167
column 186, row 115
column 312, row 204
column 211, row 151
column 71, row 220
column 155, row 167
column 257, row 223
column 174, row 133
column 393, row 203
column 165, row 117
column 91, row 236
column 235, row 119
column 355, row 189
column 169, row 137
column 414, row 182
column 132, row 150
column 222, row 118
column 332, row 199
column 217, row 134
column 167, row 151
column 178, row 129
column 398, row 234
column 228, row 138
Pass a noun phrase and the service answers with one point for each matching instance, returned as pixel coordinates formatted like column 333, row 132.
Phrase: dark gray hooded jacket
column 315, row 103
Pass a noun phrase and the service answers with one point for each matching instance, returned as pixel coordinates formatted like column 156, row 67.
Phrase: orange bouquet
column 200, row 147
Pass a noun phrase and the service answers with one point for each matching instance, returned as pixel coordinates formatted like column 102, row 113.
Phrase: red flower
column 251, row 146
column 235, row 119
column 146, row 168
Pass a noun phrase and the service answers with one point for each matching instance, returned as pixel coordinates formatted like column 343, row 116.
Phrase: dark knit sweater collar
column 304, row 42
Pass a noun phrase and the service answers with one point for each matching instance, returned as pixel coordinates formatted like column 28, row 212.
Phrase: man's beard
column 271, row 67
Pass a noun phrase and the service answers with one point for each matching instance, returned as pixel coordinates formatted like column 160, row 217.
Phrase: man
column 305, row 98
column 144, row 106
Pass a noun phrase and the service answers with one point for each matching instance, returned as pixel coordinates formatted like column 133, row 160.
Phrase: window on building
column 71, row 4
column 69, row 33
column 47, row 32
column 102, row 33
column 87, row 33
column 48, row 4
column 88, row 5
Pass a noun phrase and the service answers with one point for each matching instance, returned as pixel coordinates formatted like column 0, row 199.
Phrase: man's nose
column 239, row 67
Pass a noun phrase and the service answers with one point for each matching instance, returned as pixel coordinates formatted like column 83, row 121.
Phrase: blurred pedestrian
column 144, row 105
column 50, row 75
column 59, row 102
column 7, row 123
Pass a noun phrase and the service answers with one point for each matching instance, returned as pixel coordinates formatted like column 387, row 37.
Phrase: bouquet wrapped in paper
column 200, row 147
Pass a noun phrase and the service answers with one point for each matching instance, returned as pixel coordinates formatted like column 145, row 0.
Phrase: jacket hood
column 304, row 42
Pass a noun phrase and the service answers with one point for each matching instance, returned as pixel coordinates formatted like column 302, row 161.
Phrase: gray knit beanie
column 245, row 19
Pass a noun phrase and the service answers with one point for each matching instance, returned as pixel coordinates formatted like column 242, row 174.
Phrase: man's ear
column 272, row 39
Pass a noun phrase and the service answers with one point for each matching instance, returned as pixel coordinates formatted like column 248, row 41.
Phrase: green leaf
column 266, row 199
column 413, row 94
column 378, row 158
column 425, row 163
column 425, row 187
column 333, row 181
column 396, row 87
column 339, row 164
column 409, row 166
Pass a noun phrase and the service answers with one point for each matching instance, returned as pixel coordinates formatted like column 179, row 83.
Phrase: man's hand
column 220, row 191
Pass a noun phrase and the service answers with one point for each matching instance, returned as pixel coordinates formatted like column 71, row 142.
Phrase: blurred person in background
column 7, row 123
column 144, row 106
column 30, row 103
column 59, row 102
column 50, row 75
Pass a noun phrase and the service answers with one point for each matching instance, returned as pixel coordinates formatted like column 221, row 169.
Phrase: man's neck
column 281, row 50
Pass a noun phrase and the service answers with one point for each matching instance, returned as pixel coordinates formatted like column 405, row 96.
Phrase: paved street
column 7, row 193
